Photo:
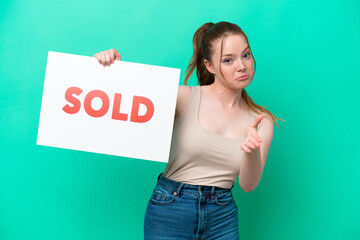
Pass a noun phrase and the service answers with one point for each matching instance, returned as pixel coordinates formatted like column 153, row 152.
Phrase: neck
column 230, row 98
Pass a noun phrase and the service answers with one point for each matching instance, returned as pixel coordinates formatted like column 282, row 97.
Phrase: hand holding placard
column 107, row 58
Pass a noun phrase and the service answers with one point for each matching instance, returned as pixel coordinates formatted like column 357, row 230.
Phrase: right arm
column 106, row 58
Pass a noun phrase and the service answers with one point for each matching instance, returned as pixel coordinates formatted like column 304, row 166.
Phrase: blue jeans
column 178, row 210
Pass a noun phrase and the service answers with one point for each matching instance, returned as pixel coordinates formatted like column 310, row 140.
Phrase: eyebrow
column 234, row 54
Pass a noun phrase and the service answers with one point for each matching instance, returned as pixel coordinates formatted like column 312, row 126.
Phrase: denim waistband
column 177, row 186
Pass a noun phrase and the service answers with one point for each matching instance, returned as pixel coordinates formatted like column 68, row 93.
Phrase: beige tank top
column 200, row 157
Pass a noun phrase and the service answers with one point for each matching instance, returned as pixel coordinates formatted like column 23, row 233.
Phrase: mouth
column 242, row 77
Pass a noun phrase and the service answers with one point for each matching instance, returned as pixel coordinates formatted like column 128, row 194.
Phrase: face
column 236, row 61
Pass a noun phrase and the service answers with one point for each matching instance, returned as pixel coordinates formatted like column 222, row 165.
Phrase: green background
column 307, row 55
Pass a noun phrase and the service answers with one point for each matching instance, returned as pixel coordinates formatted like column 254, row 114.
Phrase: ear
column 209, row 66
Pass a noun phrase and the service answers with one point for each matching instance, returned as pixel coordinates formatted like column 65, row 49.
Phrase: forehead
column 233, row 44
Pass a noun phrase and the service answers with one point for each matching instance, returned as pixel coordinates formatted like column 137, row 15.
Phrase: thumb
column 117, row 55
column 257, row 120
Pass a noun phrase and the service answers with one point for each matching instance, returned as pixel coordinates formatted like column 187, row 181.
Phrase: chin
column 240, row 84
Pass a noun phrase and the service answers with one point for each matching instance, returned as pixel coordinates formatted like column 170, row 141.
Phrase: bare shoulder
column 266, row 132
column 184, row 90
column 266, row 125
column 183, row 97
column 266, row 115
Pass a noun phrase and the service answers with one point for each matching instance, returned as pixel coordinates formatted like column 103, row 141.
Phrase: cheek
column 228, row 71
column 251, row 65
column 228, row 68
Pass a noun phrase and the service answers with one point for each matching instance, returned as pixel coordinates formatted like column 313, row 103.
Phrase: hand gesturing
column 252, row 139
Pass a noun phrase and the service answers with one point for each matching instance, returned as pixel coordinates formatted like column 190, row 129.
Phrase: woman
column 219, row 134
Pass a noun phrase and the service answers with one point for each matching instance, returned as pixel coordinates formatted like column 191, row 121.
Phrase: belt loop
column 212, row 190
column 159, row 176
column 179, row 188
column 200, row 189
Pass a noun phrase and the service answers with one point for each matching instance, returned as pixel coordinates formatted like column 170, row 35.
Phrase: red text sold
column 72, row 92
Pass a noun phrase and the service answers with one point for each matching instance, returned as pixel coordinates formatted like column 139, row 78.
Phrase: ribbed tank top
column 200, row 157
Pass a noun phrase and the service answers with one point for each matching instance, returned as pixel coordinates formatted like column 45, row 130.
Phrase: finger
column 102, row 57
column 254, row 142
column 97, row 56
column 257, row 120
column 249, row 144
column 107, row 58
column 245, row 149
column 256, row 136
column 112, row 56
column 117, row 55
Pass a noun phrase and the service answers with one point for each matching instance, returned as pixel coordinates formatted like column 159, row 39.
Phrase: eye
column 227, row 61
column 247, row 54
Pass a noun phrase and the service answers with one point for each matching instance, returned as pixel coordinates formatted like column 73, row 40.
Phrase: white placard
column 126, row 109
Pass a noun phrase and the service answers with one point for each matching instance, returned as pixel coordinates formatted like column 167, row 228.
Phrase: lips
column 243, row 77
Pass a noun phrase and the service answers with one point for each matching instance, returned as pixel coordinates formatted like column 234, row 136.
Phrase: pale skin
column 222, row 110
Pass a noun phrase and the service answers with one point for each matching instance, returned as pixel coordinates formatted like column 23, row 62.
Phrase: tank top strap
column 251, row 117
column 196, row 99
column 192, row 106
column 194, row 103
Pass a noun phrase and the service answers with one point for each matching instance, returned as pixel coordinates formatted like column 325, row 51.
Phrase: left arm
column 258, row 143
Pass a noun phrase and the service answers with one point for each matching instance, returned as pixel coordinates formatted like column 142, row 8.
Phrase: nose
column 240, row 66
